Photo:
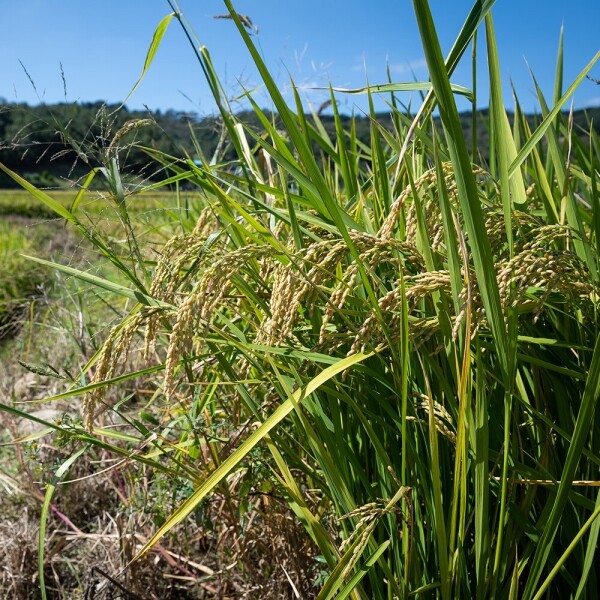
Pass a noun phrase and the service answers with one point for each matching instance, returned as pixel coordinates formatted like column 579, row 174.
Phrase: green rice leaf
column 386, row 88
column 157, row 37
column 50, row 489
column 538, row 134
column 251, row 442
column 103, row 283
column 590, row 553
column 468, row 196
column 580, row 433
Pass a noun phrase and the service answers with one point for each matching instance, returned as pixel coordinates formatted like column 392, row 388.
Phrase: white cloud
column 592, row 102
column 419, row 64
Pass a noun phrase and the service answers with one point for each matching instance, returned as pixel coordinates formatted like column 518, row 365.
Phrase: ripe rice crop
column 404, row 339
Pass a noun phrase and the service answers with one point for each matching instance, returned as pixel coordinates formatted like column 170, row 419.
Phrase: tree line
column 54, row 145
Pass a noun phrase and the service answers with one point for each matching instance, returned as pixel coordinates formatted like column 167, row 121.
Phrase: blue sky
column 101, row 45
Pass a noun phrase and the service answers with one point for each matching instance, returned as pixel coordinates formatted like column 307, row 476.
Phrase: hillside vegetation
column 54, row 145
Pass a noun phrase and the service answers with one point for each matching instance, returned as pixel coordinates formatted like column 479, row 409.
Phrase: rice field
column 340, row 370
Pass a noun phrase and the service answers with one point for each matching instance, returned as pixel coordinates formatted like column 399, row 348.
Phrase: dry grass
column 238, row 546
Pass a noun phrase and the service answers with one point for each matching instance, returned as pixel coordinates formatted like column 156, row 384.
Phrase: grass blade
column 50, row 489
column 467, row 188
column 580, row 433
column 227, row 465
column 548, row 120
column 103, row 283
column 157, row 37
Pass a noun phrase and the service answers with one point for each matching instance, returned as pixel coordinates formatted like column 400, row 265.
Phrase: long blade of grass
column 84, row 188
column 246, row 447
column 157, row 37
column 50, row 489
column 311, row 522
column 475, row 17
column 548, row 120
column 347, row 165
column 468, row 196
column 590, row 554
column 482, row 480
column 570, row 205
column 561, row 561
column 438, row 515
column 102, row 282
column 582, row 426
column 512, row 192
column 559, row 73
column 386, row 88
column 512, row 189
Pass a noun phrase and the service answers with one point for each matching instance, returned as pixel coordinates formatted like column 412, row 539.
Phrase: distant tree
column 65, row 140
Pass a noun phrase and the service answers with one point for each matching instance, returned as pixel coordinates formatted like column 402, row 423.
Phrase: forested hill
column 56, row 144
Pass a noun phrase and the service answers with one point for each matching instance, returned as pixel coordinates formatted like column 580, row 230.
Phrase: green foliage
column 20, row 280
column 32, row 143
column 403, row 329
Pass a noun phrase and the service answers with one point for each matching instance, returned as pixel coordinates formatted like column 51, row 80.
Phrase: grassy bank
column 350, row 370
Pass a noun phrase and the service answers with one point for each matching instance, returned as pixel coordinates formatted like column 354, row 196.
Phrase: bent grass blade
column 50, row 489
column 580, row 433
column 154, row 45
column 246, row 447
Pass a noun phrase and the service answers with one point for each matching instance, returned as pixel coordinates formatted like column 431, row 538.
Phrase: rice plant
column 405, row 333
